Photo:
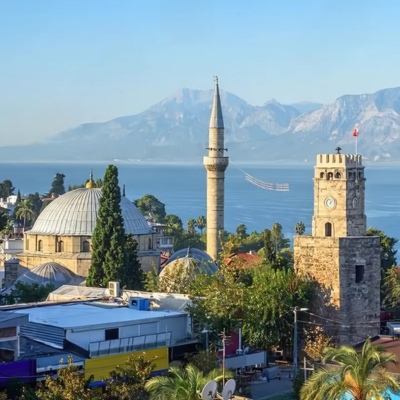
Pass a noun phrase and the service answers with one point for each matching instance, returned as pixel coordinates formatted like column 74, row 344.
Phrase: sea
column 182, row 188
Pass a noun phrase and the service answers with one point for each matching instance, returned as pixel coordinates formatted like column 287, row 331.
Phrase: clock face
column 330, row 203
column 355, row 202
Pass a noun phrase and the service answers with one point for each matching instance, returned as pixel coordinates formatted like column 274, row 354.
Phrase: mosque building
column 63, row 233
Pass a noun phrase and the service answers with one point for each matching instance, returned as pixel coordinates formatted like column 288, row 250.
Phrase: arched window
column 60, row 246
column 328, row 229
column 329, row 176
column 150, row 244
column 337, row 175
column 321, row 175
column 26, row 244
column 40, row 245
column 85, row 247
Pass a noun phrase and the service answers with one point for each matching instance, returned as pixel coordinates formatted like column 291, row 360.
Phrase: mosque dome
column 50, row 273
column 75, row 214
column 190, row 260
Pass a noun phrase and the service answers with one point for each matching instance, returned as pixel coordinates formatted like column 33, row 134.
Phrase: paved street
column 263, row 389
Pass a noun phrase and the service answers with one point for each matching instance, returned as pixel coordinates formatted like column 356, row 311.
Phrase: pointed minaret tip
column 216, row 120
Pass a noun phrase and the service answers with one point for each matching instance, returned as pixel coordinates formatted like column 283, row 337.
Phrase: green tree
column 181, row 384
column 69, row 385
column 25, row 211
column 6, row 189
column 201, row 223
column 150, row 206
column 174, row 224
column 108, row 241
column 19, row 199
column 28, row 293
column 57, row 186
column 391, row 287
column 363, row 374
column 36, row 202
column 133, row 278
column 270, row 300
column 241, row 231
column 300, row 228
column 278, row 238
column 3, row 220
column 269, row 248
column 127, row 382
column 191, row 224
column 388, row 252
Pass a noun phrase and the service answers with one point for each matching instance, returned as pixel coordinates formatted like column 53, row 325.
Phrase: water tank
column 137, row 303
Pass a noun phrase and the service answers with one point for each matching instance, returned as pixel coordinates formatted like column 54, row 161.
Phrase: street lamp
column 295, row 339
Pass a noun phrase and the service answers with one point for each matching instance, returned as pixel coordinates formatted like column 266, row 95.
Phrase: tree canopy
column 57, row 186
column 6, row 189
column 150, row 206
column 346, row 371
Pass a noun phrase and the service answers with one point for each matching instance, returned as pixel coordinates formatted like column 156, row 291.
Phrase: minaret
column 215, row 164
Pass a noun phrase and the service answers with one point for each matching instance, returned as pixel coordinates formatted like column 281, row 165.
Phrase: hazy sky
column 66, row 62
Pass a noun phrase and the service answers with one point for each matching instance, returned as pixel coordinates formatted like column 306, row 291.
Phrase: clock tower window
column 322, row 175
column 337, row 175
column 328, row 229
column 329, row 176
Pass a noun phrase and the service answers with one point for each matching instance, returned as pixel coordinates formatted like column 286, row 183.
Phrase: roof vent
column 114, row 288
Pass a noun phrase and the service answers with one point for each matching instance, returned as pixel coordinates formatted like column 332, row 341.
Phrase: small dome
column 191, row 258
column 75, row 214
column 50, row 273
column 90, row 183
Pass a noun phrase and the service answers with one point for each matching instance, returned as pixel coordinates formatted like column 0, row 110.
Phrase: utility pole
column 295, row 339
column 224, row 339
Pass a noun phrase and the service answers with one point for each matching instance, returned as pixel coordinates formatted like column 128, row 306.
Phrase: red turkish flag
column 355, row 132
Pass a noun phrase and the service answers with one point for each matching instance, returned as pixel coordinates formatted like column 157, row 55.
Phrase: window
column 321, row 175
column 111, row 334
column 26, row 244
column 328, row 229
column 85, row 247
column 359, row 273
column 150, row 244
column 329, row 176
column 337, row 175
column 60, row 247
column 40, row 245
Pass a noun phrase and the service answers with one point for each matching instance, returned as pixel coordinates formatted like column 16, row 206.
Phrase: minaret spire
column 215, row 164
column 216, row 120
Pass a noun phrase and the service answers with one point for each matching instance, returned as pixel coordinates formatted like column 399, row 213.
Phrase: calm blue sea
column 183, row 190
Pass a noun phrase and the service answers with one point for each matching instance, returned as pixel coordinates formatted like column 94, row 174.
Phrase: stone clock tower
column 338, row 254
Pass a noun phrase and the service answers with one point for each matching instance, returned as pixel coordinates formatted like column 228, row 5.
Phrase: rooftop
column 89, row 315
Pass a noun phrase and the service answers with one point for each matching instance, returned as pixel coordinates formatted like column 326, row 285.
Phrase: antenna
column 228, row 390
column 209, row 390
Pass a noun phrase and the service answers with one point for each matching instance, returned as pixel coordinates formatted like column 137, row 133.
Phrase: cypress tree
column 133, row 278
column 108, row 241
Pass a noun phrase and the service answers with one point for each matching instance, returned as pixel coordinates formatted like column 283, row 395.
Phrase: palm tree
column 180, row 384
column 201, row 223
column 25, row 211
column 191, row 226
column 361, row 374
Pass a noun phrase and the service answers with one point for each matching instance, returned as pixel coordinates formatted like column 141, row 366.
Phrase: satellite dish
column 228, row 390
column 209, row 391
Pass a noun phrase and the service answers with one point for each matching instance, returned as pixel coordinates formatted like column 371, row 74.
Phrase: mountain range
column 176, row 130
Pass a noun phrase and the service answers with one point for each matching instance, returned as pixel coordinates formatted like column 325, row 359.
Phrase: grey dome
column 50, row 273
column 191, row 258
column 75, row 213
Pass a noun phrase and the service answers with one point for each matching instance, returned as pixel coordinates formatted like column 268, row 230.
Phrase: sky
column 67, row 62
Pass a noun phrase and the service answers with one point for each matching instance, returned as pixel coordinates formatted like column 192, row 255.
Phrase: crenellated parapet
column 339, row 160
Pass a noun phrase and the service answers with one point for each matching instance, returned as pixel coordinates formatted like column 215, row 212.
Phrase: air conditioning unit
column 114, row 288
column 138, row 303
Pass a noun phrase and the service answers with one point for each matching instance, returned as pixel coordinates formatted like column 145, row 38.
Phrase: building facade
column 338, row 254
column 63, row 233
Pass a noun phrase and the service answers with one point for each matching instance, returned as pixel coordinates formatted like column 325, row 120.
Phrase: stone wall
column 332, row 263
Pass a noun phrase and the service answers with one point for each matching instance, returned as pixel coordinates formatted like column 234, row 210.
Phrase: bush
column 298, row 382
